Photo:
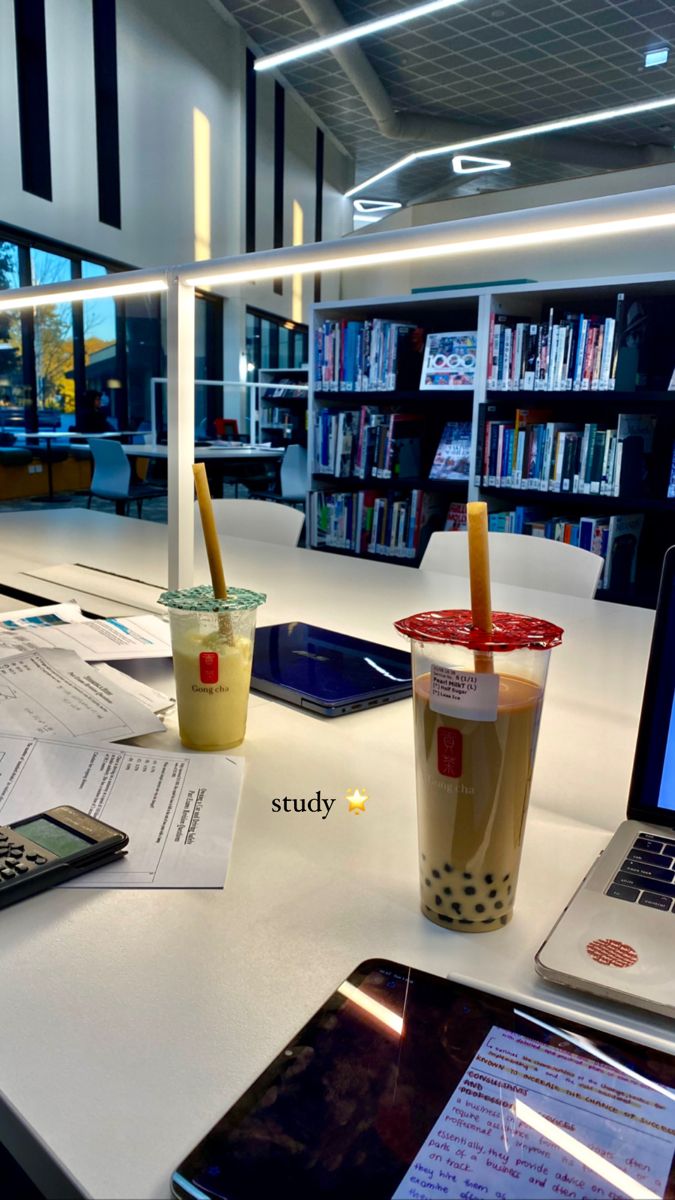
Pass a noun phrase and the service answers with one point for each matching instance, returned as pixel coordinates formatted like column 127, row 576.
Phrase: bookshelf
column 376, row 499
column 608, row 391
column 281, row 404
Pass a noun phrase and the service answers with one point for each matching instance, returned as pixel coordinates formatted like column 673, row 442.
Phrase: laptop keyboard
column 647, row 874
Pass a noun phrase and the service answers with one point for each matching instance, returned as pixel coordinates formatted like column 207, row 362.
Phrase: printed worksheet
column 63, row 627
column 179, row 810
column 153, row 699
column 53, row 693
column 529, row 1119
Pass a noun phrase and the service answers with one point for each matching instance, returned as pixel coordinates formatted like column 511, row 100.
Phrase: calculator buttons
column 7, row 874
column 36, row 858
column 20, row 868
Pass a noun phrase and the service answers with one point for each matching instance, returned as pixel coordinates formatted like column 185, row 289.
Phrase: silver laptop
column 616, row 937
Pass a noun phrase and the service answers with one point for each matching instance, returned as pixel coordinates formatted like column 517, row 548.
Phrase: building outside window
column 51, row 357
column 12, row 396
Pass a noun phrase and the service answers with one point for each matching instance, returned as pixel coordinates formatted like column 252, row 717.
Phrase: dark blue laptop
column 326, row 672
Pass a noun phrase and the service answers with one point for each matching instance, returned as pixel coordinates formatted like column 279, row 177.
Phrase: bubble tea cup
column 477, row 700
column 212, row 645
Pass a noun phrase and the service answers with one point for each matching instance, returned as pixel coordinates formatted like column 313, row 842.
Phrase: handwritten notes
column 528, row 1119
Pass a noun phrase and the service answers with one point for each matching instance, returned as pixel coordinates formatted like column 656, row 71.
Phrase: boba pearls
column 482, row 899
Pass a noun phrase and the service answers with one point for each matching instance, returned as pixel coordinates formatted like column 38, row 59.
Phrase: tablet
column 407, row 1085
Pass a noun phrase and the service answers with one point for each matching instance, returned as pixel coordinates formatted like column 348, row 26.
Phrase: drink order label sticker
column 464, row 694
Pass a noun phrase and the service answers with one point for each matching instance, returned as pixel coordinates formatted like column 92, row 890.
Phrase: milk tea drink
column 212, row 645
column 476, row 714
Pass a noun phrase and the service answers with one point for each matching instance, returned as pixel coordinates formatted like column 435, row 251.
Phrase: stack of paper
column 63, row 627
column 58, row 716
column 178, row 809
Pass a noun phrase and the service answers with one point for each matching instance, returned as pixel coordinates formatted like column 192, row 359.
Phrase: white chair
column 292, row 478
column 258, row 521
column 112, row 481
column 294, row 475
column 524, row 561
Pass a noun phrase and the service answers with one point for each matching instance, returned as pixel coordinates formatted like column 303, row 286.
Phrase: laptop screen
column 667, row 789
column 653, row 783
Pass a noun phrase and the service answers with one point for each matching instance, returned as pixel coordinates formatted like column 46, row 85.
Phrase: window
column 12, row 396
column 208, row 363
column 273, row 342
column 54, row 356
column 101, row 373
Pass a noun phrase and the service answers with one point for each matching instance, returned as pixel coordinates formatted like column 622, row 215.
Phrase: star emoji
column 357, row 800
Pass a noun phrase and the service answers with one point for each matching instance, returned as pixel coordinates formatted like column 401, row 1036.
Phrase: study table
column 137, row 1018
column 216, row 455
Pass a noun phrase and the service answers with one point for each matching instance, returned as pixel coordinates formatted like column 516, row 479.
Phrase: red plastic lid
column 454, row 627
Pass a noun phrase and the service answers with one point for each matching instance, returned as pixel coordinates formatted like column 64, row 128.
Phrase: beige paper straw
column 479, row 576
column 210, row 532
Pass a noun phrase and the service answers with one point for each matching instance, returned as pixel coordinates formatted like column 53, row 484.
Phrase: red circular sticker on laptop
column 611, row 953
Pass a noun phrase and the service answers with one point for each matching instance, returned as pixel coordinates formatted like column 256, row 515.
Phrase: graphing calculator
column 42, row 851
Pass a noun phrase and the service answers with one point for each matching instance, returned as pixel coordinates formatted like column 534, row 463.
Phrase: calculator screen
column 53, row 837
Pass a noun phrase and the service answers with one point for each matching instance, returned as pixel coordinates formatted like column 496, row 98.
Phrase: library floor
column 153, row 510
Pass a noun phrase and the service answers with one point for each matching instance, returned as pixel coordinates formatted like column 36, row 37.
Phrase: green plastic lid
column 202, row 599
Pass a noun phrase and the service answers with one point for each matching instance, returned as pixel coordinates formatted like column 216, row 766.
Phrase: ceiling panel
column 494, row 64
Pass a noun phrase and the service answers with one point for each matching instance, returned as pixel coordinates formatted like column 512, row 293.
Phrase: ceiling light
column 459, row 164
column 375, row 206
column 65, row 295
column 319, row 45
column 513, row 135
column 420, row 248
column 656, row 58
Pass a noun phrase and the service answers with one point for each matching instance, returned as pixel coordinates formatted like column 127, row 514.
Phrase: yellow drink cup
column 212, row 644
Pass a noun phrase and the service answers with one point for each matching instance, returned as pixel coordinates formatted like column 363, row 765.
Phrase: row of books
column 358, row 356
column 534, row 453
column 367, row 443
column 368, row 522
column 285, row 389
column 614, row 538
column 274, row 415
column 569, row 351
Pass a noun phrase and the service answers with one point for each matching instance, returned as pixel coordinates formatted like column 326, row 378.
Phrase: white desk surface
column 138, row 1018
column 221, row 450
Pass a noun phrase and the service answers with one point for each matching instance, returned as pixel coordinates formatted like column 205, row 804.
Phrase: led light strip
column 90, row 293
column 319, row 45
column 508, row 241
column 514, row 135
